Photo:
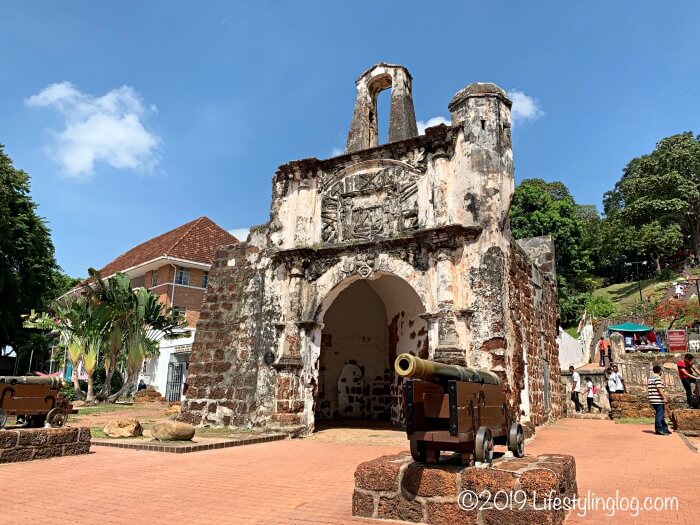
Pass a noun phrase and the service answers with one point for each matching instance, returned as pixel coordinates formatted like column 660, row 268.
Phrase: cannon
column 37, row 399
column 456, row 408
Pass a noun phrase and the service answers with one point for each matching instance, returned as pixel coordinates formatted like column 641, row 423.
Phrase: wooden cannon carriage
column 37, row 399
column 456, row 408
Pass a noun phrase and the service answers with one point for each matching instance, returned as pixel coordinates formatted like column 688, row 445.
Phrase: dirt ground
column 362, row 433
column 100, row 415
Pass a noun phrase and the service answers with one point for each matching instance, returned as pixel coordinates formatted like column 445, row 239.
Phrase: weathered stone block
column 31, row 437
column 450, row 513
column 491, row 480
column 399, row 508
column 74, row 449
column 686, row 421
column 406, row 491
column 380, row 474
column 540, row 483
column 362, row 505
column 8, row 439
column 59, row 436
column 14, row 455
column 49, row 452
column 424, row 480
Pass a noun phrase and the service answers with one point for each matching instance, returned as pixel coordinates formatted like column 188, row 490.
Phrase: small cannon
column 36, row 398
column 456, row 408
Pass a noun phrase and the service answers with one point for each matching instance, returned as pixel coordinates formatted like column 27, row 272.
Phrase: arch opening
column 366, row 324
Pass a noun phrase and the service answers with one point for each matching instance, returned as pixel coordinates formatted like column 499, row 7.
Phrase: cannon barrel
column 407, row 365
column 55, row 381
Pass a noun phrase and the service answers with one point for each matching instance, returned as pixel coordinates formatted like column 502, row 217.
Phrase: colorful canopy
column 629, row 327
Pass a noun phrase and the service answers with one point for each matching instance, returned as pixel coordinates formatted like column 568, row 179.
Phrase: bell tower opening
column 364, row 132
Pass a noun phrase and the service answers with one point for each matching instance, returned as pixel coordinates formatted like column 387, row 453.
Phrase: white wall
column 156, row 373
column 572, row 351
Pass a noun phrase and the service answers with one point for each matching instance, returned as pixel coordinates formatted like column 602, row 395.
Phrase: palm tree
column 138, row 322
column 110, row 315
column 145, row 325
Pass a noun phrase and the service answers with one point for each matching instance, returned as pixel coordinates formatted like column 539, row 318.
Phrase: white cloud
column 336, row 152
column 524, row 108
column 240, row 233
column 434, row 121
column 107, row 129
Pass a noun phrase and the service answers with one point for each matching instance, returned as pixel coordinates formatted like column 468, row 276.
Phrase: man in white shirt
column 575, row 388
column 619, row 382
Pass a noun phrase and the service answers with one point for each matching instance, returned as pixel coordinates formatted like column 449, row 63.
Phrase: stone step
column 586, row 415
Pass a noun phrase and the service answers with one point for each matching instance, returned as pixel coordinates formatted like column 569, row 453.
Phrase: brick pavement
column 630, row 459
column 310, row 481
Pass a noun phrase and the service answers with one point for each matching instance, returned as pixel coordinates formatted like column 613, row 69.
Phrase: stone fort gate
column 403, row 247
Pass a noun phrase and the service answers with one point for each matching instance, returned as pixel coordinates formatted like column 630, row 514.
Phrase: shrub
column 68, row 393
column 600, row 306
column 101, row 375
column 666, row 275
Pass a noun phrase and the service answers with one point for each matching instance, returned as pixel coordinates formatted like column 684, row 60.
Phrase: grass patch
column 628, row 293
column 571, row 330
column 99, row 409
column 635, row 421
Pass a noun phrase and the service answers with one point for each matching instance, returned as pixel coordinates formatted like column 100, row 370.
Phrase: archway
column 366, row 324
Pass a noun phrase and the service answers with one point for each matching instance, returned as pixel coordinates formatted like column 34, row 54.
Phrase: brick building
column 175, row 267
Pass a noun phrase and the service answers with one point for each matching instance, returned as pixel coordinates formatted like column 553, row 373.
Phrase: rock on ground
column 686, row 421
column 123, row 428
column 168, row 430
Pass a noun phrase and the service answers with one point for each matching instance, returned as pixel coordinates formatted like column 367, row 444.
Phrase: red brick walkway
column 630, row 459
column 311, row 481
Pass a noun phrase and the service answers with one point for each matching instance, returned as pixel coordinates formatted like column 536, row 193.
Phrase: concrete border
column 184, row 449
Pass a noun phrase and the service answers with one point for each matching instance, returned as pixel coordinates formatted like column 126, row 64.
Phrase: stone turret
column 402, row 118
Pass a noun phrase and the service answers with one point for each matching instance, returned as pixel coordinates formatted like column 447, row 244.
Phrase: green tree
column 658, row 197
column 547, row 208
column 27, row 262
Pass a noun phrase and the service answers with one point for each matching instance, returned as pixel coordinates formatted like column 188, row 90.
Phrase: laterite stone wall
column 41, row 443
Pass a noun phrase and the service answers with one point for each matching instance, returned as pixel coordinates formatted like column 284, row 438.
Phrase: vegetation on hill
column 650, row 217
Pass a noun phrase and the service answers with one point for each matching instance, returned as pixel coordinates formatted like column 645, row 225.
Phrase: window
column 154, row 279
column 205, row 279
column 182, row 276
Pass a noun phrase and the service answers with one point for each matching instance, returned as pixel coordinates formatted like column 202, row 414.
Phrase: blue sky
column 135, row 117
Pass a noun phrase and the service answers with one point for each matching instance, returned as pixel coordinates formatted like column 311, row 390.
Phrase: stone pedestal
column 686, row 421
column 511, row 491
column 41, row 443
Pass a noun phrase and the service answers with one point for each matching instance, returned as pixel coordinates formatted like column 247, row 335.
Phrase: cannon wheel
column 483, row 446
column 56, row 417
column 418, row 452
column 516, row 440
column 3, row 418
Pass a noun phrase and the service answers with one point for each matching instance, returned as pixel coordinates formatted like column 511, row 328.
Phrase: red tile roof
column 195, row 241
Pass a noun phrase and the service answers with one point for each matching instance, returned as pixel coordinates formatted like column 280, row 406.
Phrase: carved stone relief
column 370, row 204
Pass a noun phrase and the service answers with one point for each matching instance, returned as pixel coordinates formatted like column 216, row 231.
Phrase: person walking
column 601, row 351
column 591, row 391
column 575, row 388
column 658, row 400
